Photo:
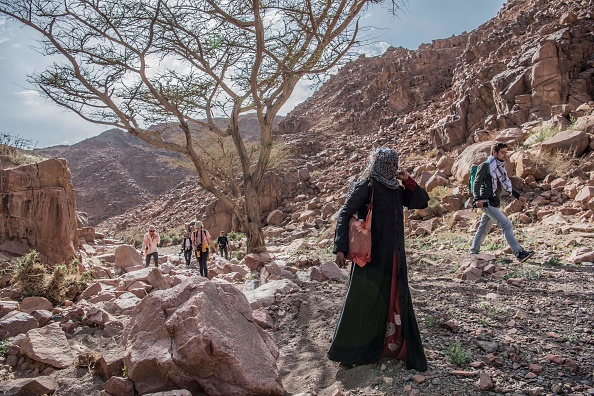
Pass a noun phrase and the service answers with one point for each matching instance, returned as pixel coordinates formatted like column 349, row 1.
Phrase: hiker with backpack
column 377, row 318
column 487, row 182
column 202, row 242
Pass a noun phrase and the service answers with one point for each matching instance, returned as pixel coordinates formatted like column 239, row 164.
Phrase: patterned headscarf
column 382, row 166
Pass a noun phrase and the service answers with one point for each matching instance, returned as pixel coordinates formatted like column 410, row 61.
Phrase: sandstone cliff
column 39, row 210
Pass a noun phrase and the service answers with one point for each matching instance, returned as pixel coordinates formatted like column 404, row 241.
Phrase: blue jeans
column 492, row 215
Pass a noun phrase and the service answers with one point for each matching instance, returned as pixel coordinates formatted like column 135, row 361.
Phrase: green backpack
column 473, row 171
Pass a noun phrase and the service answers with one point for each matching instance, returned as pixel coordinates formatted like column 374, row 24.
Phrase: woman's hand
column 340, row 261
column 402, row 174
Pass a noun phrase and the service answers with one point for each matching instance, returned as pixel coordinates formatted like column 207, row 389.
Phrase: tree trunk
column 253, row 219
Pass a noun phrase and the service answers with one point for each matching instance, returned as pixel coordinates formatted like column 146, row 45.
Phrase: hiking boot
column 524, row 255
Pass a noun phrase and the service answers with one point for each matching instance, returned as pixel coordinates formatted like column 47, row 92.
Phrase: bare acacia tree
column 133, row 63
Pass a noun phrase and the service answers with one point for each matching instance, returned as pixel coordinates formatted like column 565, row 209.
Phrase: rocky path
column 529, row 332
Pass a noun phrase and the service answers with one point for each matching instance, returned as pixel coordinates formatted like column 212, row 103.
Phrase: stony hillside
column 533, row 60
column 115, row 171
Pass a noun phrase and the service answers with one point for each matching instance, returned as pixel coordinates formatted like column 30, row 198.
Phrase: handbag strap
column 369, row 210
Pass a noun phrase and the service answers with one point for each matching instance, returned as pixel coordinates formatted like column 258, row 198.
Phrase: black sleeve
column 416, row 198
column 355, row 201
column 516, row 193
column 481, row 172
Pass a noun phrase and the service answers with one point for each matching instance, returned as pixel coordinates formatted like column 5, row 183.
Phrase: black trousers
column 188, row 256
column 223, row 251
column 155, row 255
column 202, row 260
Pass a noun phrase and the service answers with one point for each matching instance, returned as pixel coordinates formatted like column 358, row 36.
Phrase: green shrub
column 457, row 354
column 57, row 283
column 165, row 240
column 4, row 345
column 235, row 236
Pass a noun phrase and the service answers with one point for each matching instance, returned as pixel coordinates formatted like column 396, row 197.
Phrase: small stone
column 419, row 378
column 554, row 358
column 571, row 365
column 485, row 382
column 449, row 325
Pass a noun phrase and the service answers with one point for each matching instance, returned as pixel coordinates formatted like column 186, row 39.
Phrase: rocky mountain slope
column 533, row 60
column 115, row 171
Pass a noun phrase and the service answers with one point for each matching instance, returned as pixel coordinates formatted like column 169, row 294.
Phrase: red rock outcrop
column 39, row 209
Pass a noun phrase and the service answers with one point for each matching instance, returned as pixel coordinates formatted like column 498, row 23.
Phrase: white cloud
column 17, row 45
column 4, row 39
column 373, row 49
column 30, row 97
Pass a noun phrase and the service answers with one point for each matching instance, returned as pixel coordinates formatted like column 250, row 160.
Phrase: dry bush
column 88, row 359
column 30, row 275
column 57, row 283
column 435, row 197
column 557, row 163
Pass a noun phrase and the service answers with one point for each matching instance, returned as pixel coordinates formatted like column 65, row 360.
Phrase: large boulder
column 200, row 335
column 29, row 386
column 571, row 141
column 48, row 345
column 255, row 261
column 127, row 256
column 15, row 323
column 474, row 155
column 265, row 295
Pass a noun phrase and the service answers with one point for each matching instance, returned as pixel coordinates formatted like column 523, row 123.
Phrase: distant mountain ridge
column 115, row 171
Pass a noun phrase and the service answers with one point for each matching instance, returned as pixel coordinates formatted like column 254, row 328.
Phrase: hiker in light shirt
column 150, row 243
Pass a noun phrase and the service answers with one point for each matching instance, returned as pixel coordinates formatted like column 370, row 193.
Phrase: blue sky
column 25, row 113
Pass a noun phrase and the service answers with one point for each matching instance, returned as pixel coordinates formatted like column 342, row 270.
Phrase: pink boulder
column 200, row 335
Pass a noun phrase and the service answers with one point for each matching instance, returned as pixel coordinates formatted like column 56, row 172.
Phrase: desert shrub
column 12, row 148
column 235, row 236
column 138, row 240
column 4, row 345
column 457, row 354
column 541, row 134
column 165, row 240
column 30, row 275
column 557, row 163
column 435, row 197
column 175, row 236
column 57, row 283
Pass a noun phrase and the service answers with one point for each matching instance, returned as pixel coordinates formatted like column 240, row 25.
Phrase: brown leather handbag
column 360, row 238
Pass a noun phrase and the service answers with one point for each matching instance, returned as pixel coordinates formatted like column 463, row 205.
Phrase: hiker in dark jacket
column 186, row 247
column 377, row 318
column 491, row 179
column 222, row 241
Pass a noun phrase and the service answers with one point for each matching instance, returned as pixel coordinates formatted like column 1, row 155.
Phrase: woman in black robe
column 377, row 318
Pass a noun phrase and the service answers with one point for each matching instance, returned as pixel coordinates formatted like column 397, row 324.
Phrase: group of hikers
column 377, row 318
column 198, row 241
